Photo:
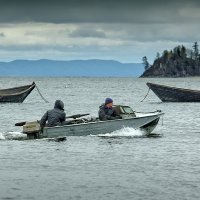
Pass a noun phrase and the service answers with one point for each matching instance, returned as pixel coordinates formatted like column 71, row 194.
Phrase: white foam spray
column 124, row 132
column 2, row 137
column 12, row 136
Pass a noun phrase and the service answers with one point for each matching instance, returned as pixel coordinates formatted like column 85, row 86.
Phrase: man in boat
column 107, row 112
column 54, row 117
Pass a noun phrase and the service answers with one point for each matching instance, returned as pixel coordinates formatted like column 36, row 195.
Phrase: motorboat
column 80, row 125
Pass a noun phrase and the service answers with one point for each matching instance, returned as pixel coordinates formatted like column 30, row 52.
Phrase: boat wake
column 124, row 132
column 12, row 136
column 2, row 136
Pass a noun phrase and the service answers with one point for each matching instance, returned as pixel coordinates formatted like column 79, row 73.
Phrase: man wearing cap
column 106, row 111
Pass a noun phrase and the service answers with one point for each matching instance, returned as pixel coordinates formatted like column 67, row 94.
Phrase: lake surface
column 123, row 165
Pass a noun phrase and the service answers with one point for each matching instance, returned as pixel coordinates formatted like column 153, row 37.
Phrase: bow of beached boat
column 174, row 94
column 16, row 94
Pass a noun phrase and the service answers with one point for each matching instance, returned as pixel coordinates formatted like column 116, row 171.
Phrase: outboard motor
column 32, row 129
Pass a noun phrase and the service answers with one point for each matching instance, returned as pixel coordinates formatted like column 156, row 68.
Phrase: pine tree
column 183, row 52
column 145, row 62
column 196, row 50
column 158, row 55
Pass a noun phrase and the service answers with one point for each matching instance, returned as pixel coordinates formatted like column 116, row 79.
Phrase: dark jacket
column 55, row 117
column 106, row 113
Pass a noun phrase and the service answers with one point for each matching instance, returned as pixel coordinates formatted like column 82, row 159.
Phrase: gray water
column 119, row 166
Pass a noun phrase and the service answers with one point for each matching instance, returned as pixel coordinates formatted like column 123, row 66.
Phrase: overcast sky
column 122, row 30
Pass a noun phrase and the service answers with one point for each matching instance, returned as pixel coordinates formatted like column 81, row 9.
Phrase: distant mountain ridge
column 90, row 68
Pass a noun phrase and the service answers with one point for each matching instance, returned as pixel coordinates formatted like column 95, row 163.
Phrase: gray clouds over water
column 104, row 11
column 124, row 30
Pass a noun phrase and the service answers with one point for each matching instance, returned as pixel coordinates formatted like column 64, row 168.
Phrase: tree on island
column 145, row 63
column 157, row 55
column 196, row 50
column 179, row 62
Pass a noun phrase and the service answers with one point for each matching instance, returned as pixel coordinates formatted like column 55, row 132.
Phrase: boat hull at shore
column 173, row 94
column 16, row 94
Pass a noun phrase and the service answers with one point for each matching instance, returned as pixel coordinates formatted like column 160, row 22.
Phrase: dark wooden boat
column 16, row 94
column 173, row 94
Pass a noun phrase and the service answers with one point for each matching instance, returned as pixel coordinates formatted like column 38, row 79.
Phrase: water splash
column 2, row 137
column 12, row 136
column 124, row 132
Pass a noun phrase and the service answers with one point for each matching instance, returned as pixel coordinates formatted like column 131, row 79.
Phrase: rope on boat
column 145, row 95
column 41, row 94
column 162, row 121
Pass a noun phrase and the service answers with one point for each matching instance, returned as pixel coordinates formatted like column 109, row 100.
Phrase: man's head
column 59, row 104
column 108, row 102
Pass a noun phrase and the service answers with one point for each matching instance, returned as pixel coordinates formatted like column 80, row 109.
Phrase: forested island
column 179, row 62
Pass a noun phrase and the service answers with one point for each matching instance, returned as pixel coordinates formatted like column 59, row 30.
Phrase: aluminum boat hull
column 146, row 123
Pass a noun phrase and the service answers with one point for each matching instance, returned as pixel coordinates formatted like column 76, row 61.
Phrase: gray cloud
column 121, row 41
column 2, row 35
column 104, row 11
column 88, row 33
column 125, row 30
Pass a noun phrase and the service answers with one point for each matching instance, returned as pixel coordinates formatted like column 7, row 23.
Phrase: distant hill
column 179, row 62
column 90, row 68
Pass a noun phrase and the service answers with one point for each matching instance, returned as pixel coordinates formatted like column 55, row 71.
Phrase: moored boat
column 16, row 94
column 82, row 126
column 174, row 94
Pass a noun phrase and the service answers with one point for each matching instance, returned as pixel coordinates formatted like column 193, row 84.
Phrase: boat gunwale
column 109, row 121
column 171, row 87
column 18, row 93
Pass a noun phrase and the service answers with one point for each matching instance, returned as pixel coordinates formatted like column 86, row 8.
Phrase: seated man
column 106, row 111
column 55, row 117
